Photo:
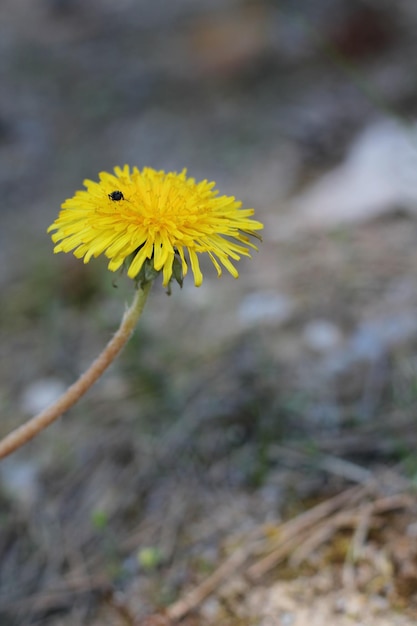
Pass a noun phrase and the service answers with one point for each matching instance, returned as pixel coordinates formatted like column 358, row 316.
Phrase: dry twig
column 191, row 600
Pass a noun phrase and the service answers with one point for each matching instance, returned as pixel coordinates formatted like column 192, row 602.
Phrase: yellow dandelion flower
column 136, row 217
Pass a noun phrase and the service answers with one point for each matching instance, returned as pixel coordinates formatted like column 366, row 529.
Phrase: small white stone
column 40, row 394
column 20, row 480
column 376, row 177
column 210, row 609
column 412, row 530
column 265, row 306
column 321, row 335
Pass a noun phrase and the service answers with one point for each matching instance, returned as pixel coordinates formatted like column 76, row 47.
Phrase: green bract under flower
column 136, row 216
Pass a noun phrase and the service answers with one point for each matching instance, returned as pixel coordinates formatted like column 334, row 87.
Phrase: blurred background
column 241, row 402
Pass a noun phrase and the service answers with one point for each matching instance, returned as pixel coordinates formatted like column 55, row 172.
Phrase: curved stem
column 26, row 432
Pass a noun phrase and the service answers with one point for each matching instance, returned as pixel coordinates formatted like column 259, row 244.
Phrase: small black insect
column 116, row 196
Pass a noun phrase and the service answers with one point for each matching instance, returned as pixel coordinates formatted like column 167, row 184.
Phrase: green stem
column 36, row 424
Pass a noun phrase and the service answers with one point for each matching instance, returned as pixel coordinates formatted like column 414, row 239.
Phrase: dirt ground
column 250, row 458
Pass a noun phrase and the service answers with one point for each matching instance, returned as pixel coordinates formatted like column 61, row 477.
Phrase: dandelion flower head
column 137, row 216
